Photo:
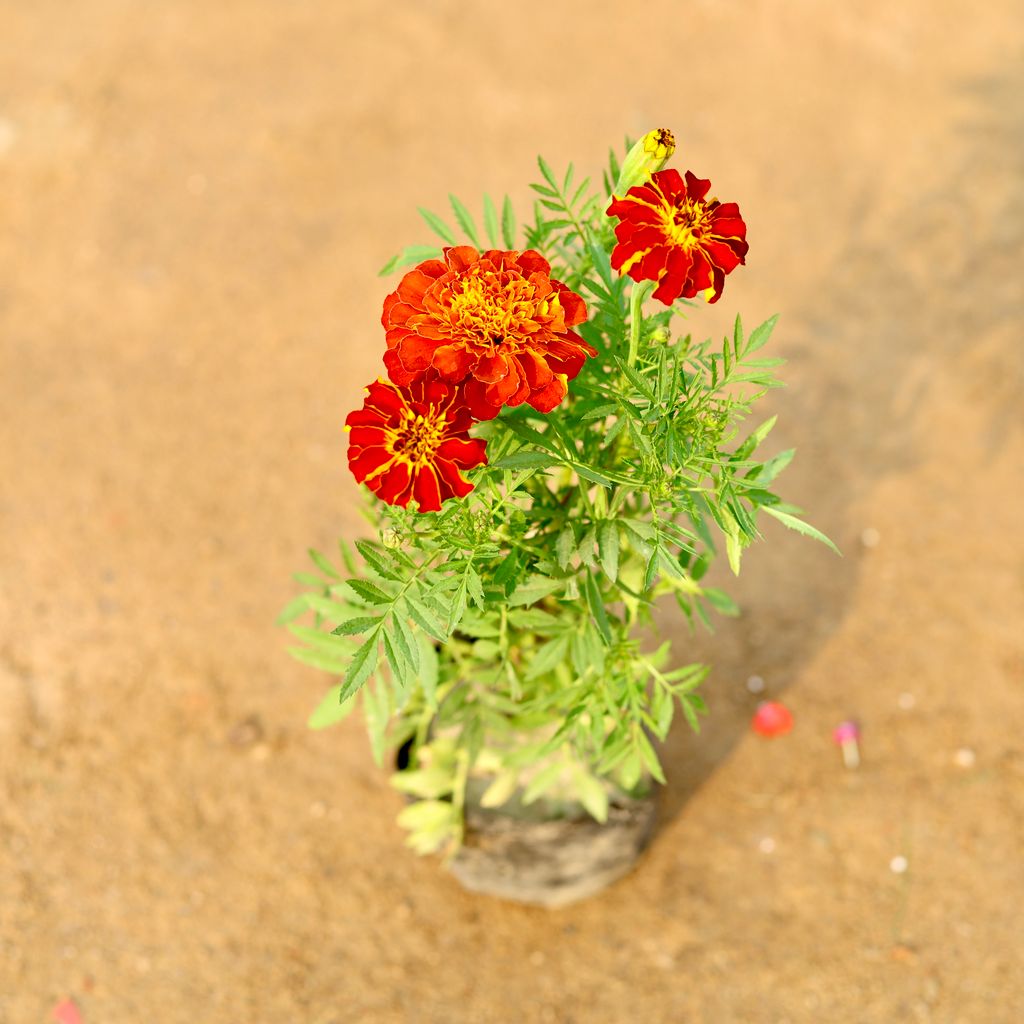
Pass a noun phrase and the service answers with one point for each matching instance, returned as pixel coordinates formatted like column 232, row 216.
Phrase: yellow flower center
column 419, row 436
column 686, row 226
column 497, row 307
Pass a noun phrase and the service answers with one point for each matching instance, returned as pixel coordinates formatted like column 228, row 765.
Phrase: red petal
column 454, row 361
column 396, row 371
column 393, row 486
column 475, row 395
column 415, row 352
column 696, row 188
column 492, row 368
column 531, row 262
column 677, row 269
column 460, row 257
column 362, row 464
column 413, row 287
column 426, row 491
column 465, row 452
column 535, row 368
column 453, row 484
column 548, row 397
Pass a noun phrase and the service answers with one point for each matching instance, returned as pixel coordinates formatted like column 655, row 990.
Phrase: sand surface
column 194, row 200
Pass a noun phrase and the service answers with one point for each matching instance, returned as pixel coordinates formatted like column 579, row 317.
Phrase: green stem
column 637, row 295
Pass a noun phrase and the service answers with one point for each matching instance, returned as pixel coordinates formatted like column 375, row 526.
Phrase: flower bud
column 650, row 154
column 391, row 538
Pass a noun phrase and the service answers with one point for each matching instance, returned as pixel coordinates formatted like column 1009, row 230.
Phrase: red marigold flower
column 411, row 442
column 495, row 320
column 669, row 233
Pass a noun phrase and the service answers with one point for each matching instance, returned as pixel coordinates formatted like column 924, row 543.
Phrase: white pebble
column 766, row 845
column 870, row 537
column 755, row 684
column 906, row 701
column 898, row 865
column 8, row 135
column 964, row 758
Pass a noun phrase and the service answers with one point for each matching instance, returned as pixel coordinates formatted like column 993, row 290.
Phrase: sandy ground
column 194, row 199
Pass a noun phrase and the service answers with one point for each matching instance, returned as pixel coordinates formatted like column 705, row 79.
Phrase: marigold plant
column 547, row 459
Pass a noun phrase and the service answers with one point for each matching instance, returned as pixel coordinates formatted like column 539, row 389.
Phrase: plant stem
column 637, row 294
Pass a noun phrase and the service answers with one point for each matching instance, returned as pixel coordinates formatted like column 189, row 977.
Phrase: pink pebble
column 66, row 1012
column 772, row 719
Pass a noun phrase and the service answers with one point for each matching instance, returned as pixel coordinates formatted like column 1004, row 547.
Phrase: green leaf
column 547, row 656
column 331, row 710
column 364, row 661
column 565, row 546
column 547, row 777
column 608, row 547
column 368, row 592
column 760, row 335
column 293, row 609
column 721, row 601
column 592, row 793
column 500, row 790
column 800, row 526
column 323, row 565
column 768, row 471
column 533, row 588
column 426, row 619
column 410, row 255
column 358, row 625
column 649, row 757
column 491, row 222
column 525, row 460
column 465, row 219
column 437, row 225
column 546, row 171
column 508, row 224
column 597, row 608
column 428, row 673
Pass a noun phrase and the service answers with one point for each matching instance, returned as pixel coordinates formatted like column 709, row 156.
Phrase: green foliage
column 504, row 624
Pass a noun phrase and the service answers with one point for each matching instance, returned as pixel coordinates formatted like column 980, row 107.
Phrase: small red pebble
column 772, row 719
column 66, row 1012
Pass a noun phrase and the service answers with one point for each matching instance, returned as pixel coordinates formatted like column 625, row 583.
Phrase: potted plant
column 549, row 452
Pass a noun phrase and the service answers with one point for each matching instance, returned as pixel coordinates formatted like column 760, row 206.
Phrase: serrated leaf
column 532, row 589
column 500, row 790
column 465, row 219
column 292, row 610
column 320, row 561
column 608, row 547
column 546, row 171
column 547, row 777
column 368, row 592
column 760, row 335
column 597, row 609
column 565, row 546
column 361, row 624
column 410, row 255
column 428, row 668
column 508, row 224
column 331, row 710
column 491, row 222
column 547, row 656
column 592, row 794
column 800, row 526
column 437, row 225
column 363, row 662
column 721, row 601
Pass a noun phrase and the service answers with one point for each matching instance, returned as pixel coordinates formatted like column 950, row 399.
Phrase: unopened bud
column 391, row 538
column 660, row 336
column 650, row 154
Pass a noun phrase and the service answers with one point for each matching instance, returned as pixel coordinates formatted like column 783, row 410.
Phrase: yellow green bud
column 650, row 154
